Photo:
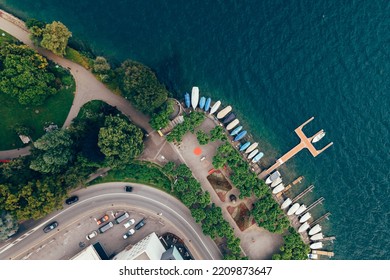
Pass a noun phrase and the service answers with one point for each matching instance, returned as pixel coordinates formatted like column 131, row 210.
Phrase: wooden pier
column 323, row 253
column 303, row 193
column 329, row 238
column 314, row 204
column 305, row 143
column 296, row 181
column 320, row 219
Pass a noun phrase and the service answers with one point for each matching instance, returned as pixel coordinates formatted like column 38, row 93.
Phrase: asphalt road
column 108, row 196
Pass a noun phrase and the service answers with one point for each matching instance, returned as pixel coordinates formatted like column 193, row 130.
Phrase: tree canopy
column 24, row 75
column 8, row 225
column 120, row 141
column 293, row 248
column 140, row 85
column 160, row 119
column 55, row 37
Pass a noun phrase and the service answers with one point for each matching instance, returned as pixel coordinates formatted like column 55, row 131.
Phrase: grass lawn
column 139, row 172
column 78, row 58
column 55, row 109
column 6, row 38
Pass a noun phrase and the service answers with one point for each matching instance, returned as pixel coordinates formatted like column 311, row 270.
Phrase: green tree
column 141, row 86
column 160, row 119
column 202, row 137
column 217, row 133
column 24, row 75
column 31, row 22
column 55, row 37
column 8, row 225
column 53, row 152
column 101, row 65
column 120, row 141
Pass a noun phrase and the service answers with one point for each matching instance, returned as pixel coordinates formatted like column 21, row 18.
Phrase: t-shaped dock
column 305, row 143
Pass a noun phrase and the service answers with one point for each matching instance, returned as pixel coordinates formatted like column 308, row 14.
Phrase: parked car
column 91, row 235
column 128, row 188
column 50, row 227
column 140, row 224
column 129, row 233
column 102, row 219
column 129, row 223
column 72, row 200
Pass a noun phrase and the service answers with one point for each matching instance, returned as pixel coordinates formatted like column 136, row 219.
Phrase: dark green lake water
column 277, row 63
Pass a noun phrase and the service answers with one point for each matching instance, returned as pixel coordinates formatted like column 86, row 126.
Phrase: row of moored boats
column 275, row 182
column 227, row 118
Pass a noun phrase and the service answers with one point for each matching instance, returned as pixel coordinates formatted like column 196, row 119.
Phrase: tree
column 217, row 133
column 202, row 137
column 8, row 225
column 141, row 86
column 160, row 119
column 101, row 65
column 53, row 152
column 120, row 141
column 24, row 75
column 55, row 37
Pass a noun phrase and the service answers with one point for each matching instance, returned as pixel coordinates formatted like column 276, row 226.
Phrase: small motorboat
column 236, row 130
column 272, row 177
column 318, row 137
column 276, row 182
column 278, row 188
column 233, row 124
column 286, row 203
column 257, row 157
column 187, row 100
column 293, row 209
column 244, row 146
column 194, row 97
column 316, row 229
column 240, row 135
column 303, row 227
column 251, row 148
column 215, row 107
column 317, row 245
column 317, row 236
column 229, row 118
column 202, row 102
column 301, row 209
column 207, row 105
column 253, row 153
column 305, row 217
column 224, row 112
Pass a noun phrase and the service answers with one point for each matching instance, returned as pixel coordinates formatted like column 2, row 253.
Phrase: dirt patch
column 220, row 185
column 241, row 216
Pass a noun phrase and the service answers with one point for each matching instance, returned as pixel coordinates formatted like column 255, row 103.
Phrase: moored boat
column 251, row 148
column 207, row 105
column 317, row 236
column 317, row 245
column 303, row 227
column 240, row 135
column 278, row 188
column 187, row 100
column 286, row 203
column 305, row 217
column 272, row 177
column 215, row 107
column 293, row 209
column 224, row 112
column 253, row 153
column 232, row 124
column 244, row 146
column 194, row 97
column 301, row 209
column 276, row 182
column 229, row 118
column 257, row 157
column 236, row 130
column 318, row 137
column 316, row 229
column 202, row 102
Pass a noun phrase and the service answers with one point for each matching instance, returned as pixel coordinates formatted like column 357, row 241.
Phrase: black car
column 140, row 224
column 128, row 188
column 50, row 227
column 72, row 200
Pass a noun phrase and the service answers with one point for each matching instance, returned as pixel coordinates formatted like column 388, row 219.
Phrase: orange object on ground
column 197, row 151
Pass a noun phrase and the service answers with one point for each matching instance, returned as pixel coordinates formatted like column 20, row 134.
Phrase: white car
column 129, row 223
column 129, row 233
column 92, row 235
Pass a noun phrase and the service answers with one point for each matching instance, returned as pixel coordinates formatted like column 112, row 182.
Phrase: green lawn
column 78, row 58
column 139, row 172
column 55, row 109
column 6, row 38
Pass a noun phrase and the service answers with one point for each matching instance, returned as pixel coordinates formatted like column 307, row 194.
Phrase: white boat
column 304, row 227
column 317, row 236
column 286, row 203
column 224, row 112
column 318, row 137
column 251, row 148
column 317, row 245
column 215, row 107
column 312, row 256
column 233, row 124
column 252, row 154
column 276, row 182
column 301, row 209
column 305, row 217
column 293, row 209
column 194, row 97
column 272, row 177
column 278, row 188
column 316, row 229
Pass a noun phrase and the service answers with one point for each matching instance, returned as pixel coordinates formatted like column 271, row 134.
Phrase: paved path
column 87, row 87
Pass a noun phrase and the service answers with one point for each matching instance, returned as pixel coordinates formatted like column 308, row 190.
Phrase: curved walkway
column 88, row 88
